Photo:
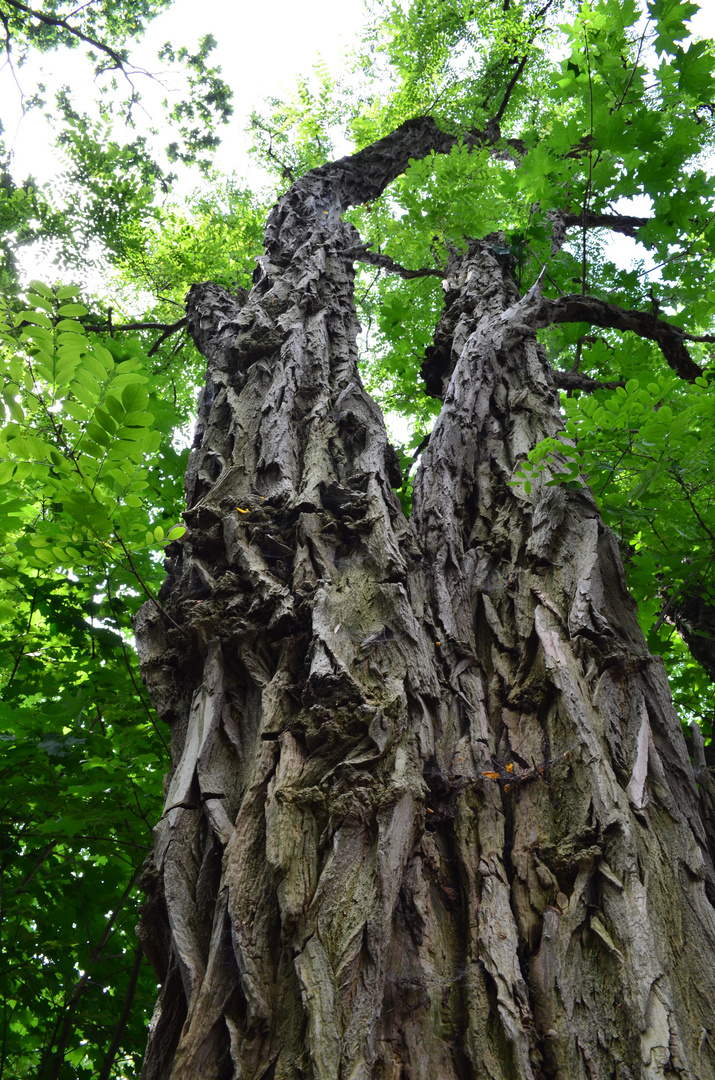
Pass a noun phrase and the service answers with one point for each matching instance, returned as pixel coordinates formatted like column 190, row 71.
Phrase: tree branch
column 123, row 1016
column 52, row 1062
column 512, row 83
column 362, row 254
column 51, row 20
column 574, row 380
column 145, row 587
column 103, row 328
column 168, row 328
column 590, row 309
column 620, row 223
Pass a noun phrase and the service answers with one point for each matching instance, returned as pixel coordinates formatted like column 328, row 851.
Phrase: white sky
column 261, row 48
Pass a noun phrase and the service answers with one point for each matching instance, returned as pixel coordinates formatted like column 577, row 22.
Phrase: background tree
column 431, row 811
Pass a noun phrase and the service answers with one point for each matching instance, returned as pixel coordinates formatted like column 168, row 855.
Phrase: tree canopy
column 590, row 106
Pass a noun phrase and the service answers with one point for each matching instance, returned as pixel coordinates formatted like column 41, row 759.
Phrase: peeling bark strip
column 431, row 814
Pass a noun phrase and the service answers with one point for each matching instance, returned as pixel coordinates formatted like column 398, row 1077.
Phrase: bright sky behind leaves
column 261, row 47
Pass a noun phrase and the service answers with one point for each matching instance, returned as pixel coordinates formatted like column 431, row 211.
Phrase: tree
column 431, row 812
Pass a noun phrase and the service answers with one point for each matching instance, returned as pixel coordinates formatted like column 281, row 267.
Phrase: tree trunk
column 431, row 815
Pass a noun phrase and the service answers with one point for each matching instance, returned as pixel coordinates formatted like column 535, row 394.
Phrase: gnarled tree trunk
column 431, row 814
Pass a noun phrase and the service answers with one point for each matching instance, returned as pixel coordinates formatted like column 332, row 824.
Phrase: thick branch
column 590, row 309
column 621, row 223
column 51, row 20
column 319, row 198
column 106, row 328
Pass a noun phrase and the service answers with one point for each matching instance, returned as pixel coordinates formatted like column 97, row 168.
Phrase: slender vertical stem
column 123, row 1016
column 587, row 194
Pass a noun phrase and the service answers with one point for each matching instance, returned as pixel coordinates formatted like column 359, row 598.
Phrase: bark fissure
column 431, row 813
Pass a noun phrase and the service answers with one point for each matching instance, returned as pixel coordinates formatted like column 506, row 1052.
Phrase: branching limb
column 590, row 309
column 362, row 254
column 574, row 380
column 621, row 223
column 167, row 334
column 168, row 330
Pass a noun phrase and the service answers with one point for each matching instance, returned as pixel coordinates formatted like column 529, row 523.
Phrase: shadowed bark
column 431, row 813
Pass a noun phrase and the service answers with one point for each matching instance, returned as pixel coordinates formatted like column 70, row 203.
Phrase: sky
column 261, row 48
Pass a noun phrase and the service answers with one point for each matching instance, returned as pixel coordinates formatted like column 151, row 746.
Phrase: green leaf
column 99, row 435
column 134, row 398
column 42, row 289
column 37, row 318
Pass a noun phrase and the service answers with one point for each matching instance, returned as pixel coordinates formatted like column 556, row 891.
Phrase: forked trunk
column 431, row 815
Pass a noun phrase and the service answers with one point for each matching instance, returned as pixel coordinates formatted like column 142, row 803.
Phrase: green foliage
column 101, row 27
column 208, row 103
column 297, row 134
column 90, row 493
column 84, row 512
column 213, row 234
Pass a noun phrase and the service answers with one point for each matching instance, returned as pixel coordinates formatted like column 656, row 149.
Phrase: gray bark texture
column 431, row 814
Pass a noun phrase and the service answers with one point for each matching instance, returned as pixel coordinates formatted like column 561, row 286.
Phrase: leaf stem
column 145, row 587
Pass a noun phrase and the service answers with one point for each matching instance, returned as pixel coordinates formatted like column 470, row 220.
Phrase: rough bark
column 431, row 814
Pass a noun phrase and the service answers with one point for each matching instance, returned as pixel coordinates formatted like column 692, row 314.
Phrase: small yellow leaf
column 491, row 775
column 242, row 511
column 510, row 767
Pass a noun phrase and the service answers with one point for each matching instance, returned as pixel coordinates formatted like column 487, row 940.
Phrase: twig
column 543, row 267
column 145, row 587
column 138, row 692
column 363, row 254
